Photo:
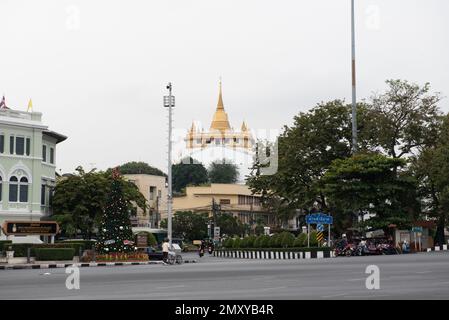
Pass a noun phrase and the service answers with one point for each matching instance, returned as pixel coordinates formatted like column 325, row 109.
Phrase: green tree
column 79, row 200
column 431, row 169
column 140, row 168
column 404, row 118
column 188, row 172
column 223, row 172
column 189, row 225
column 229, row 225
column 115, row 232
column 369, row 184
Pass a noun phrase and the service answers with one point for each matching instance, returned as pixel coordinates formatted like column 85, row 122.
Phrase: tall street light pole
column 169, row 102
column 354, row 105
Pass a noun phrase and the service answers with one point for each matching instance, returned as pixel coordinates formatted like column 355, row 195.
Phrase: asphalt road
column 418, row 276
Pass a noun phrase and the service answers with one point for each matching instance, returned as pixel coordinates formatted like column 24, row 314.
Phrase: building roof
column 59, row 137
column 220, row 189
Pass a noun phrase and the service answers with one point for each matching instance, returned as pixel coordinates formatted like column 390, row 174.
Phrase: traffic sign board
column 319, row 218
column 320, row 227
column 417, row 229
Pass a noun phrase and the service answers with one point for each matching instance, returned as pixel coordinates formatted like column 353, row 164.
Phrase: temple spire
column 220, row 105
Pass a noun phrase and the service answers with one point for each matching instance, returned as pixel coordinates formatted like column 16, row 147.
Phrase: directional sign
column 319, row 218
column 320, row 227
column 417, row 229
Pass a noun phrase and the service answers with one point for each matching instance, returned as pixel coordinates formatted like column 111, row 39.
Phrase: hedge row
column 53, row 254
column 21, row 249
column 280, row 240
column 4, row 244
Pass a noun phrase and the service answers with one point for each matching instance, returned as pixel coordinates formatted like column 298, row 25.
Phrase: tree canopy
column 223, row 172
column 79, row 200
column 140, row 168
column 188, row 172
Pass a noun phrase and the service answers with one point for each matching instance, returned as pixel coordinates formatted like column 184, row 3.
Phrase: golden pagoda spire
column 244, row 127
column 220, row 120
column 220, row 105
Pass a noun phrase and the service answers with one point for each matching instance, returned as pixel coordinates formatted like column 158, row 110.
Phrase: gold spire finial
column 220, row 99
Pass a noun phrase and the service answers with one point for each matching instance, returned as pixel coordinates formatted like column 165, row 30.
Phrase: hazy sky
column 97, row 70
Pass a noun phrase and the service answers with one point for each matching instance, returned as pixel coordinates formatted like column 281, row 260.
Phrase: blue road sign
column 319, row 218
column 417, row 229
column 320, row 227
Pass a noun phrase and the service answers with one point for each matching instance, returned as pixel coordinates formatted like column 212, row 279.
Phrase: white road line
column 359, row 279
column 423, row 272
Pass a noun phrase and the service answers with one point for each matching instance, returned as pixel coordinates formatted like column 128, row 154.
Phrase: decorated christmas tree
column 115, row 233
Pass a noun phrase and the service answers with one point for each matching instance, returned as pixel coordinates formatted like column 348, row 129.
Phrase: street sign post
column 320, row 219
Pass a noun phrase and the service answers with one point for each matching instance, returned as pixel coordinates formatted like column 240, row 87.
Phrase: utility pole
column 169, row 102
column 354, row 101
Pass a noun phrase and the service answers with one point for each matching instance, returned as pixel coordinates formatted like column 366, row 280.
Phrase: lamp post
column 169, row 102
column 354, row 105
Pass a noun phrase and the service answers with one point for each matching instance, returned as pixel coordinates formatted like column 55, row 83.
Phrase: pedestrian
column 165, row 247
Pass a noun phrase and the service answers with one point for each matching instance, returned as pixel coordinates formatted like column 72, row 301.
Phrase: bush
column 87, row 244
column 229, row 243
column 300, row 241
column 4, row 244
column 313, row 239
column 43, row 254
column 244, row 243
column 237, row 243
column 21, row 249
column 265, row 241
column 287, row 239
column 250, row 241
column 257, row 241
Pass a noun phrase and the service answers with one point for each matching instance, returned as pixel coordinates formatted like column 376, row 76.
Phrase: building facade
column 235, row 199
column 154, row 189
column 27, row 166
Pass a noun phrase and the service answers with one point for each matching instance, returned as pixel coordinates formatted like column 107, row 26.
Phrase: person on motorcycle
column 211, row 247
column 201, row 249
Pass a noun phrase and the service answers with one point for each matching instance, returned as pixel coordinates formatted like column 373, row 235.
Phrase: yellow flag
column 30, row 106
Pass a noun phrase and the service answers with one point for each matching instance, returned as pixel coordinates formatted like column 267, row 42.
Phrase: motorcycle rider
column 201, row 249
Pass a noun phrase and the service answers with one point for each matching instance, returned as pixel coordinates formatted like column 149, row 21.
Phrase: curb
column 274, row 255
column 438, row 248
column 80, row 265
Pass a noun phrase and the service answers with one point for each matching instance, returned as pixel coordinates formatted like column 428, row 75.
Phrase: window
column 43, row 189
column 52, row 155
column 23, row 190
column 11, row 145
column 28, row 146
column 217, row 141
column 13, row 189
column 44, row 153
column 18, row 190
column 198, row 141
column 152, row 192
column 2, row 143
column 20, row 146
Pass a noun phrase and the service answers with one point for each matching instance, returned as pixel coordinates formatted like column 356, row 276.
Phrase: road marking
column 274, row 288
column 170, row 287
column 423, row 272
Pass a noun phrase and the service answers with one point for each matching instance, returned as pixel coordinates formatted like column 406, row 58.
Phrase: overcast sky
column 97, row 70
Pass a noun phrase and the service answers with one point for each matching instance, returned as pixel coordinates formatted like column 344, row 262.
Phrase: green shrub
column 43, row 254
column 313, row 239
column 87, row 244
column 257, row 241
column 265, row 241
column 229, row 243
column 236, row 243
column 300, row 241
column 259, row 229
column 287, row 239
column 21, row 249
column 244, row 243
column 4, row 244
column 250, row 241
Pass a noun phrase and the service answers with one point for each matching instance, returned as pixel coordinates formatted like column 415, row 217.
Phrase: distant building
column 154, row 189
column 235, row 199
column 27, row 166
